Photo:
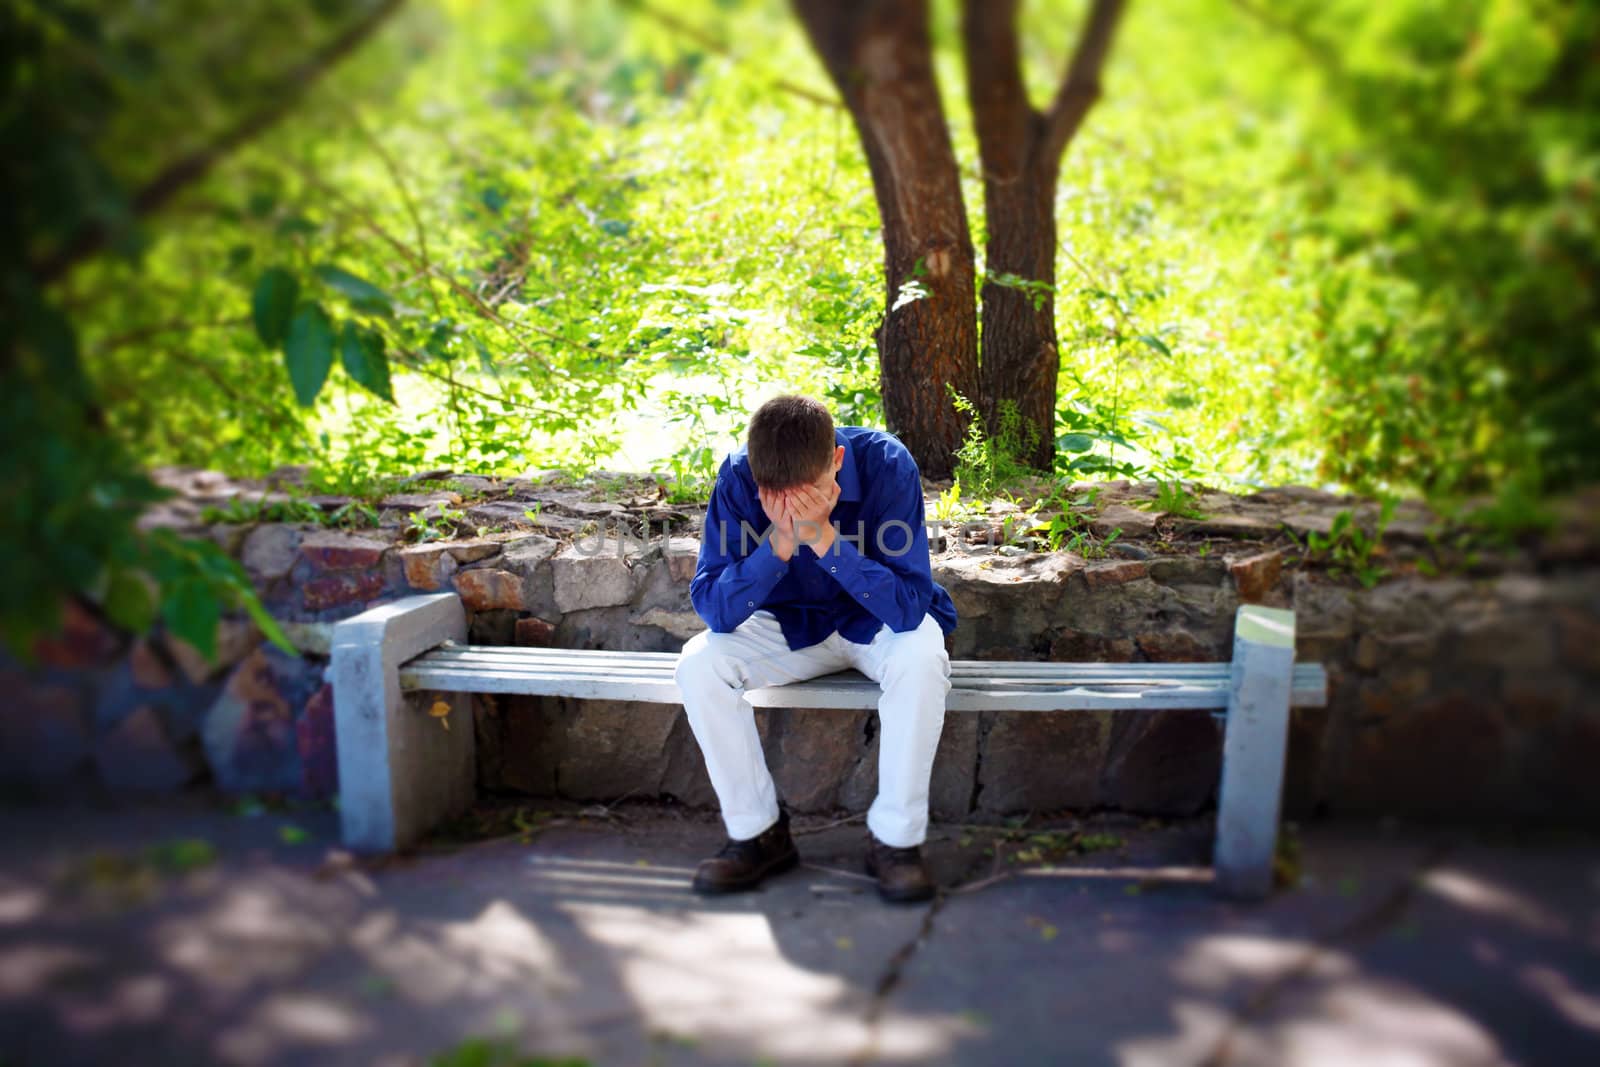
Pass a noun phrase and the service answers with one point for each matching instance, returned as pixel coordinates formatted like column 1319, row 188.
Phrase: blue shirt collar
column 849, row 483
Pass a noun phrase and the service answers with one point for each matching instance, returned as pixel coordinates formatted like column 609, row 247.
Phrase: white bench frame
column 400, row 773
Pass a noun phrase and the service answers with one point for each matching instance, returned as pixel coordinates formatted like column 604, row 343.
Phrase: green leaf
column 272, row 304
column 128, row 602
column 361, row 351
column 361, row 293
column 190, row 609
column 1151, row 341
column 1075, row 442
column 308, row 352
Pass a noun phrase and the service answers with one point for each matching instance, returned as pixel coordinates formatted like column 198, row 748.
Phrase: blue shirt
column 875, row 573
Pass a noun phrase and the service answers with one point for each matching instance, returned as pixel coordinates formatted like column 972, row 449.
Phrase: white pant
column 912, row 667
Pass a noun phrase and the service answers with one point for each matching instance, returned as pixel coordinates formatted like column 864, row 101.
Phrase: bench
column 400, row 772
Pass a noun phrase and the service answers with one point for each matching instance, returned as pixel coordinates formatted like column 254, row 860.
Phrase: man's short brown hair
column 790, row 441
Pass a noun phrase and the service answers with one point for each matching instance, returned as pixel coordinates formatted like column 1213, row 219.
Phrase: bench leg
column 400, row 770
column 1255, row 738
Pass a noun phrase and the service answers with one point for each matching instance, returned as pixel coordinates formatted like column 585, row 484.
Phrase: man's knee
column 919, row 660
column 701, row 664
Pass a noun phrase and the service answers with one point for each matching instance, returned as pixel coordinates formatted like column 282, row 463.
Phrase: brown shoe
column 901, row 876
column 742, row 864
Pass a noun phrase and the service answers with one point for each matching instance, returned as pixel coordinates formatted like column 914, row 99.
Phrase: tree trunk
column 879, row 56
column 1020, row 149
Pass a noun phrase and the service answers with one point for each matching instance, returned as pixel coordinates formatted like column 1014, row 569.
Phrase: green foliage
column 1038, row 293
column 1348, row 549
column 986, row 463
column 1337, row 242
column 1174, row 498
column 449, row 523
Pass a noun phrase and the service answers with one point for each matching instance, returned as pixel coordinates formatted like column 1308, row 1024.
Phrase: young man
column 814, row 559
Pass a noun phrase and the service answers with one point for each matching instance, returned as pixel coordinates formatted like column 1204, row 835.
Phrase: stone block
column 1178, row 646
column 137, row 755
column 249, row 732
column 680, row 624
column 607, row 749
column 1074, row 646
column 413, row 502
column 1448, row 755
column 494, row 627
column 311, row 638
column 1580, row 639
column 475, row 550
column 1507, row 642
column 270, row 550
column 1243, row 527
column 534, row 633
column 316, row 745
column 1133, row 522
column 235, row 639
column 520, row 742
column 331, row 550
column 1164, row 762
column 1322, row 610
column 591, row 574
column 525, row 554
column 1188, row 570
column 487, row 589
column 229, row 537
column 148, row 667
column 1107, row 575
column 685, row 778
column 682, row 554
column 82, row 641
column 341, row 590
column 812, row 752
column 44, row 733
column 1042, row 760
column 428, row 567
column 1393, row 693
column 1256, row 576
column 955, row 767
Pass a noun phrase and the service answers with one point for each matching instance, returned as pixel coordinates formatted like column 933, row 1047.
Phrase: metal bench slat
column 585, row 659
column 981, row 685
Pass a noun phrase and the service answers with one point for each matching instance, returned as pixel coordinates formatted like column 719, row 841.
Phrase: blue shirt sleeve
column 893, row 577
column 735, row 572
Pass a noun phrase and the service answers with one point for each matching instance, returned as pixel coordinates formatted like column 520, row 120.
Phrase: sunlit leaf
column 362, row 352
column 308, row 352
column 361, row 293
column 272, row 305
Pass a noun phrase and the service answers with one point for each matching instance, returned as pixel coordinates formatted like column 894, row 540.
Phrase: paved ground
column 185, row 933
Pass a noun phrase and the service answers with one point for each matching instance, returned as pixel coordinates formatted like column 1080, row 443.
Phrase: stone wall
column 1467, row 694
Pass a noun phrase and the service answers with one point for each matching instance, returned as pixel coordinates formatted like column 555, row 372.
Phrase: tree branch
column 1080, row 88
column 1004, row 121
column 183, row 172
